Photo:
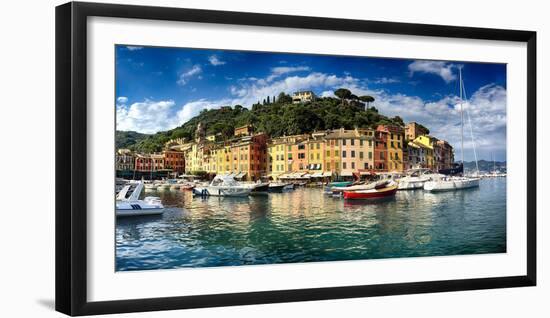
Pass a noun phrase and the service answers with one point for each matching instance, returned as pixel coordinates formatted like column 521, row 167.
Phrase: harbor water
column 306, row 225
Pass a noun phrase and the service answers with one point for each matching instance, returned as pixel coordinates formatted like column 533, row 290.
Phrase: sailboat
column 447, row 183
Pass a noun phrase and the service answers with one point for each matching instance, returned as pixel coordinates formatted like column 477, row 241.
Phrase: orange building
column 297, row 153
column 174, row 160
column 249, row 157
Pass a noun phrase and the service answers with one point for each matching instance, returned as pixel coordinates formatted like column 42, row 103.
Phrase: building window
column 328, row 166
column 301, row 155
column 289, row 156
column 318, row 156
column 360, row 155
column 370, row 143
column 353, row 165
column 318, row 146
column 336, row 153
column 361, row 142
column 353, row 153
column 344, row 154
column 343, row 142
column 343, row 165
column 353, row 142
column 328, row 153
column 366, row 165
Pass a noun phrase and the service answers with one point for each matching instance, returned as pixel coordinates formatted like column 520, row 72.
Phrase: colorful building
column 124, row 160
column 446, row 155
column 355, row 149
column 249, row 157
column 380, row 150
column 316, row 153
column 174, row 160
column 277, row 153
column 395, row 141
column 413, row 130
column 149, row 162
column 427, row 144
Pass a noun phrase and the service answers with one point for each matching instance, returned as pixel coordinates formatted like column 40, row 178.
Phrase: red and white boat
column 382, row 191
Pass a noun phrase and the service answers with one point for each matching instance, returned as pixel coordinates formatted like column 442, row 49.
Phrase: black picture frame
column 71, row 157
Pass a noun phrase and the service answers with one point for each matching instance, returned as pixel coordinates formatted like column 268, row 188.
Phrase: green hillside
column 275, row 118
column 125, row 139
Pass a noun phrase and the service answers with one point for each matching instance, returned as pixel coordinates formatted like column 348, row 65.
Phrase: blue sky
column 161, row 88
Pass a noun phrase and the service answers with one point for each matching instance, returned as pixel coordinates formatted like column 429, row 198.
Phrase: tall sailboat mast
column 461, row 119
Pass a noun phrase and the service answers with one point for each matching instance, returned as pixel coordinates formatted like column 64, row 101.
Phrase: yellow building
column 395, row 145
column 222, row 159
column 316, row 154
column 427, row 143
column 277, row 153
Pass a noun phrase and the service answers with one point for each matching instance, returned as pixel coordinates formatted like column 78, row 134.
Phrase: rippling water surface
column 306, row 226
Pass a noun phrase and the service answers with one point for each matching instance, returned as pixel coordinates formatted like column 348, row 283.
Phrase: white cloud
column 133, row 48
column 442, row 69
column 386, row 80
column 146, row 117
column 214, row 60
column 185, row 76
column 122, row 99
column 486, row 109
column 280, row 70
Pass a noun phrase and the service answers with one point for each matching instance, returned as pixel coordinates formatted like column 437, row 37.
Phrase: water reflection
column 305, row 225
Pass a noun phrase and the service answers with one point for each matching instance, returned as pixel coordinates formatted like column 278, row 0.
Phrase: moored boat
column 276, row 187
column 415, row 179
column 386, row 191
column 451, row 183
column 225, row 186
column 340, row 183
column 132, row 206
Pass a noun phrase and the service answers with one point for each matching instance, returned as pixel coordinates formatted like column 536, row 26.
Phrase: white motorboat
column 225, row 186
column 451, row 183
column 446, row 183
column 133, row 206
column 415, row 179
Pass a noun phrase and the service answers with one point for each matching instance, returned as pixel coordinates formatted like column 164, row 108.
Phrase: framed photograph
column 208, row 158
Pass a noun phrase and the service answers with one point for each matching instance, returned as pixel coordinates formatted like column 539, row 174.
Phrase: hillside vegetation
column 278, row 118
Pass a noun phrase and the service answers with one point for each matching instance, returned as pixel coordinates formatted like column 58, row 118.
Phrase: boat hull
column 451, row 185
column 411, row 185
column 228, row 192
column 276, row 188
column 142, row 212
column 371, row 194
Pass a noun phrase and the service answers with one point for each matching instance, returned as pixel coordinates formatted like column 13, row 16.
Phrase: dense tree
column 367, row 99
column 343, row 94
column 284, row 98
